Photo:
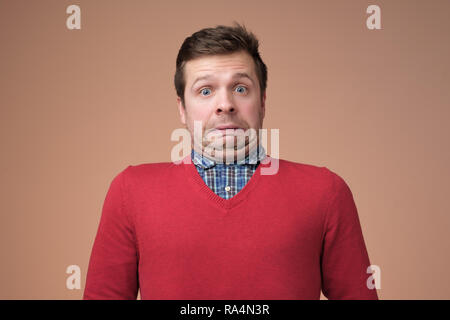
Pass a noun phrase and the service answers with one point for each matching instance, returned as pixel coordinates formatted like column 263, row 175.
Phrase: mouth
column 230, row 126
column 227, row 130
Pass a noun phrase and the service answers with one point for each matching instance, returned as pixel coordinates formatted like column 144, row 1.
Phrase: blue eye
column 242, row 88
column 203, row 90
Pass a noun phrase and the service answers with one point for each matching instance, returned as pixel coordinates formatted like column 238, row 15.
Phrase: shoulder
column 313, row 175
column 148, row 171
column 288, row 167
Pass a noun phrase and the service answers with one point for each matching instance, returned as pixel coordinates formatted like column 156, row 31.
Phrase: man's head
column 221, row 81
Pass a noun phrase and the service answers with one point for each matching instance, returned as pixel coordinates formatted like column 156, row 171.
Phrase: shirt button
column 227, row 188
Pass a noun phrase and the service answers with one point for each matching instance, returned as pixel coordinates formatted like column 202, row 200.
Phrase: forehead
column 223, row 63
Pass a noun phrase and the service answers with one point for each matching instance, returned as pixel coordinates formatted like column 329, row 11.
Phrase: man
column 216, row 227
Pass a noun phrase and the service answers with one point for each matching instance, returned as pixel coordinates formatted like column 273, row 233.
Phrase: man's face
column 222, row 91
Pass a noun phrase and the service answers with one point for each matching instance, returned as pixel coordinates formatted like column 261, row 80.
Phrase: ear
column 181, row 110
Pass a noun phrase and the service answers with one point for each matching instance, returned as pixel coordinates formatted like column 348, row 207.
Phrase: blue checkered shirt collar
column 251, row 159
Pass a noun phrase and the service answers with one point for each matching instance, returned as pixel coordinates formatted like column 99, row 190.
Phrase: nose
column 225, row 104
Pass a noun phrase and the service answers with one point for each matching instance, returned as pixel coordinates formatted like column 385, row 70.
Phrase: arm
column 344, row 259
column 112, row 271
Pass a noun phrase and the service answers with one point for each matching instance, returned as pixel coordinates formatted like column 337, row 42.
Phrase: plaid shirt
column 226, row 180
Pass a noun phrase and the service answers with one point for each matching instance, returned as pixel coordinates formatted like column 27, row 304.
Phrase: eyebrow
column 235, row 76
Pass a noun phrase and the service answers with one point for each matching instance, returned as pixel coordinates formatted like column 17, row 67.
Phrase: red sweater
column 283, row 236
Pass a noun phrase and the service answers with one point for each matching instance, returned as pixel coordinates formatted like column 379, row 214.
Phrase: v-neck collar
column 225, row 204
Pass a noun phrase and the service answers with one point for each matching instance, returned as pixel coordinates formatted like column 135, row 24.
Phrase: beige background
column 78, row 106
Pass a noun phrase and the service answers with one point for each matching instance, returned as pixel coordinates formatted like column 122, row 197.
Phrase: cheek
column 197, row 113
column 251, row 113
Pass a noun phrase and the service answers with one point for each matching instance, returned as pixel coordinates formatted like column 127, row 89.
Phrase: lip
column 228, row 126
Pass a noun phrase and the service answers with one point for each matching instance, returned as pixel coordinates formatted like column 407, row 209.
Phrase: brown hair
column 219, row 40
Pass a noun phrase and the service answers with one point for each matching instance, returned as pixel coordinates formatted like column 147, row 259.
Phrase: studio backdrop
column 86, row 89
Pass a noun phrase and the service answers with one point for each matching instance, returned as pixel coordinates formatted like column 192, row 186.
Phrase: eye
column 204, row 90
column 242, row 89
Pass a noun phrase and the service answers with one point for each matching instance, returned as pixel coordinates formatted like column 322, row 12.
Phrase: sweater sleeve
column 113, row 265
column 344, row 258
